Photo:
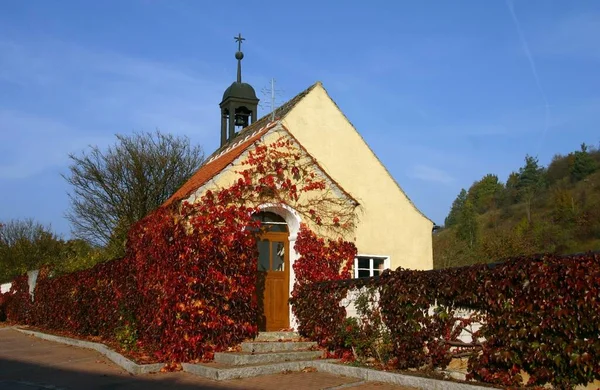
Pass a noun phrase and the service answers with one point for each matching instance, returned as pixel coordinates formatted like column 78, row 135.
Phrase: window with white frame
column 366, row 266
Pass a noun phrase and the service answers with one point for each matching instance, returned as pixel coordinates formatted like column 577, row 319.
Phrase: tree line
column 538, row 209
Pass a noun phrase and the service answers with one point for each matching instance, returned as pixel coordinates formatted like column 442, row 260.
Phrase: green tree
column 113, row 189
column 530, row 182
column 559, row 168
column 26, row 245
column 563, row 206
column 511, row 191
column 467, row 228
column 583, row 164
column 499, row 244
column 485, row 193
column 448, row 251
column 77, row 255
column 455, row 210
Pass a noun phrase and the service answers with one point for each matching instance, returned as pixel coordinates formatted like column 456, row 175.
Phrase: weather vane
column 272, row 93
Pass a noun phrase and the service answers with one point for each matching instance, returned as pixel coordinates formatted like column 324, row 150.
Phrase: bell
column 241, row 120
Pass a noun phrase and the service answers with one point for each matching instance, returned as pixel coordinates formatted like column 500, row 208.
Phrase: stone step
column 277, row 336
column 277, row 346
column 219, row 372
column 245, row 358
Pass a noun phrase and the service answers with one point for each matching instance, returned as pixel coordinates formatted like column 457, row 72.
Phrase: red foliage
column 186, row 287
column 3, row 301
column 540, row 314
column 199, row 273
column 90, row 302
column 18, row 301
column 318, row 310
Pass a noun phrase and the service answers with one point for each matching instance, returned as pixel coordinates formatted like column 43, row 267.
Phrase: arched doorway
column 273, row 272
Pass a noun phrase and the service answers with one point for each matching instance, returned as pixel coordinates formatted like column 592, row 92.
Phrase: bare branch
column 113, row 189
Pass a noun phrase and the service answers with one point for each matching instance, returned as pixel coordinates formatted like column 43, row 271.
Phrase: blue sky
column 443, row 91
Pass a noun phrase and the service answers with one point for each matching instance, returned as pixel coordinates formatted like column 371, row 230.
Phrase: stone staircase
column 270, row 347
column 269, row 353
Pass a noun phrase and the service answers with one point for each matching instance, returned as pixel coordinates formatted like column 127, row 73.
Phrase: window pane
column 366, row 266
column 271, row 222
column 275, row 227
column 363, row 262
column 267, row 216
column 263, row 255
column 278, row 250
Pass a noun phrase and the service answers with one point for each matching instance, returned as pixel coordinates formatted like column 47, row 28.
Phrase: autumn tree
column 114, row 188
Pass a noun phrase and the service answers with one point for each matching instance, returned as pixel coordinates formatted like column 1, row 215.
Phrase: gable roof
column 216, row 163
column 233, row 148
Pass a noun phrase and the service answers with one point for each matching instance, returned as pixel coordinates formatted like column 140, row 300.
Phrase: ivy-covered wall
column 540, row 315
column 187, row 285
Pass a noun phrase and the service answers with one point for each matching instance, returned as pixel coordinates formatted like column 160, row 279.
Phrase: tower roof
column 240, row 91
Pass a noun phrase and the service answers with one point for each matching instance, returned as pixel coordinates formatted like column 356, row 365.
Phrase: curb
column 366, row 374
column 117, row 358
column 395, row 378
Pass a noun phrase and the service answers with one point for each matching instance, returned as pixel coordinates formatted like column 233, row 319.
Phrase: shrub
column 18, row 305
column 367, row 335
column 3, row 301
column 540, row 315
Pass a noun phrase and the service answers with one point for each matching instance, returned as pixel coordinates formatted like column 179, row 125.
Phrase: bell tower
column 239, row 104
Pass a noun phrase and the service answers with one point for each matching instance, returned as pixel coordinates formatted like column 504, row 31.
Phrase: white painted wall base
column 4, row 288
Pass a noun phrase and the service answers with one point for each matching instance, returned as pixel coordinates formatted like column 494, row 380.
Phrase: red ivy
column 540, row 314
column 186, row 287
column 18, row 301
column 197, row 280
column 3, row 301
column 318, row 310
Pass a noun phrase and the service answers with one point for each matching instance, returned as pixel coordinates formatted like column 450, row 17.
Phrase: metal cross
column 239, row 40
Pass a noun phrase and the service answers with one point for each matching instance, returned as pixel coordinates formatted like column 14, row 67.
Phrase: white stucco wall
column 466, row 335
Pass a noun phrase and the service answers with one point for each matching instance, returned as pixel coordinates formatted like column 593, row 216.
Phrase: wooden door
column 273, row 281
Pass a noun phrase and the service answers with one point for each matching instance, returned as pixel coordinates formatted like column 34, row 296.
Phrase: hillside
column 539, row 209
